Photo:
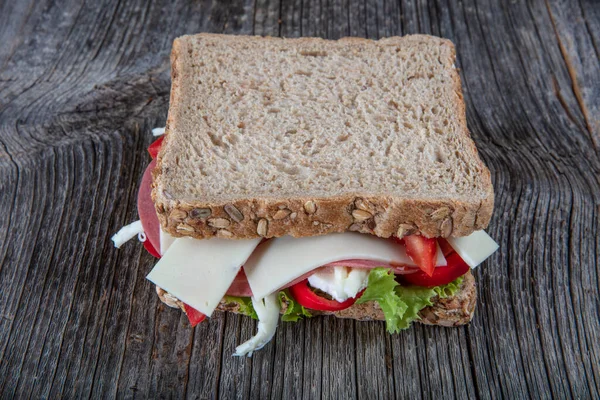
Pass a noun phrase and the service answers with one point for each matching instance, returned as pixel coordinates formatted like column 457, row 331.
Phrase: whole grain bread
column 271, row 137
column 451, row 311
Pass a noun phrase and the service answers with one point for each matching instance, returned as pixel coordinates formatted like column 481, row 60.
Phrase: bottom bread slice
column 451, row 311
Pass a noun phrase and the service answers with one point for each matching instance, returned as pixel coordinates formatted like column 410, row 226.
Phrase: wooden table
column 82, row 84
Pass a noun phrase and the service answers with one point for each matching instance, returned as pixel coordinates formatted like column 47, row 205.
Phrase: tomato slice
column 422, row 251
column 456, row 267
column 148, row 246
column 194, row 315
column 155, row 147
column 309, row 299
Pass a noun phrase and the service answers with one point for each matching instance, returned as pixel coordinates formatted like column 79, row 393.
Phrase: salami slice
column 146, row 209
column 370, row 264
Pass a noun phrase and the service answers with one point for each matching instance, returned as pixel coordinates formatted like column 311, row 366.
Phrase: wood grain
column 83, row 83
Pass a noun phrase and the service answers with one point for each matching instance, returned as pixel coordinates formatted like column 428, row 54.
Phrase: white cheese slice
column 278, row 262
column 166, row 241
column 475, row 248
column 199, row 272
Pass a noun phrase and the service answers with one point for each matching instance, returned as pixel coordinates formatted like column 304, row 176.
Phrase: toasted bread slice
column 271, row 137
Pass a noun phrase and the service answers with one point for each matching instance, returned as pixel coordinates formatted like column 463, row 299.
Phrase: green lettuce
column 401, row 304
column 245, row 304
column 294, row 310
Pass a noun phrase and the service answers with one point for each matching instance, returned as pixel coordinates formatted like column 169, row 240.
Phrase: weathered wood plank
column 235, row 377
column 373, row 362
column 77, row 349
column 56, row 297
column 82, row 83
column 291, row 18
column 288, row 374
column 338, row 365
column 21, row 285
column 582, row 60
column 534, row 194
column 205, row 361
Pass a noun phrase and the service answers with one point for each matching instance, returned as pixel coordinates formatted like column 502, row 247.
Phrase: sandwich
column 306, row 177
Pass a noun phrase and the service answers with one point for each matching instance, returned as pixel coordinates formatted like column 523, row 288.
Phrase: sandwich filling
column 299, row 276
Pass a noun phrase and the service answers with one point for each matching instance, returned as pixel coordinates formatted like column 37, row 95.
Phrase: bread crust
column 303, row 216
column 390, row 216
column 451, row 311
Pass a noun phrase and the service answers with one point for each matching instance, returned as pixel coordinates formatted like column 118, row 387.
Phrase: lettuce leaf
column 381, row 287
column 245, row 304
column 294, row 310
column 401, row 304
column 448, row 289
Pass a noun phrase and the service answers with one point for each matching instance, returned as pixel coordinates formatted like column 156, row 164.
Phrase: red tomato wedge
column 456, row 267
column 194, row 315
column 155, row 147
column 422, row 251
column 309, row 299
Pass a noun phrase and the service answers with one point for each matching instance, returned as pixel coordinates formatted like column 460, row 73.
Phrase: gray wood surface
column 82, row 84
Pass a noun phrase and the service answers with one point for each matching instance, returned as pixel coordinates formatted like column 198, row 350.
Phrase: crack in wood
column 573, row 76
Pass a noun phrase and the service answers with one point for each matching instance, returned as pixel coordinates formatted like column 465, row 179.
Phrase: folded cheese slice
column 278, row 262
column 199, row 272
